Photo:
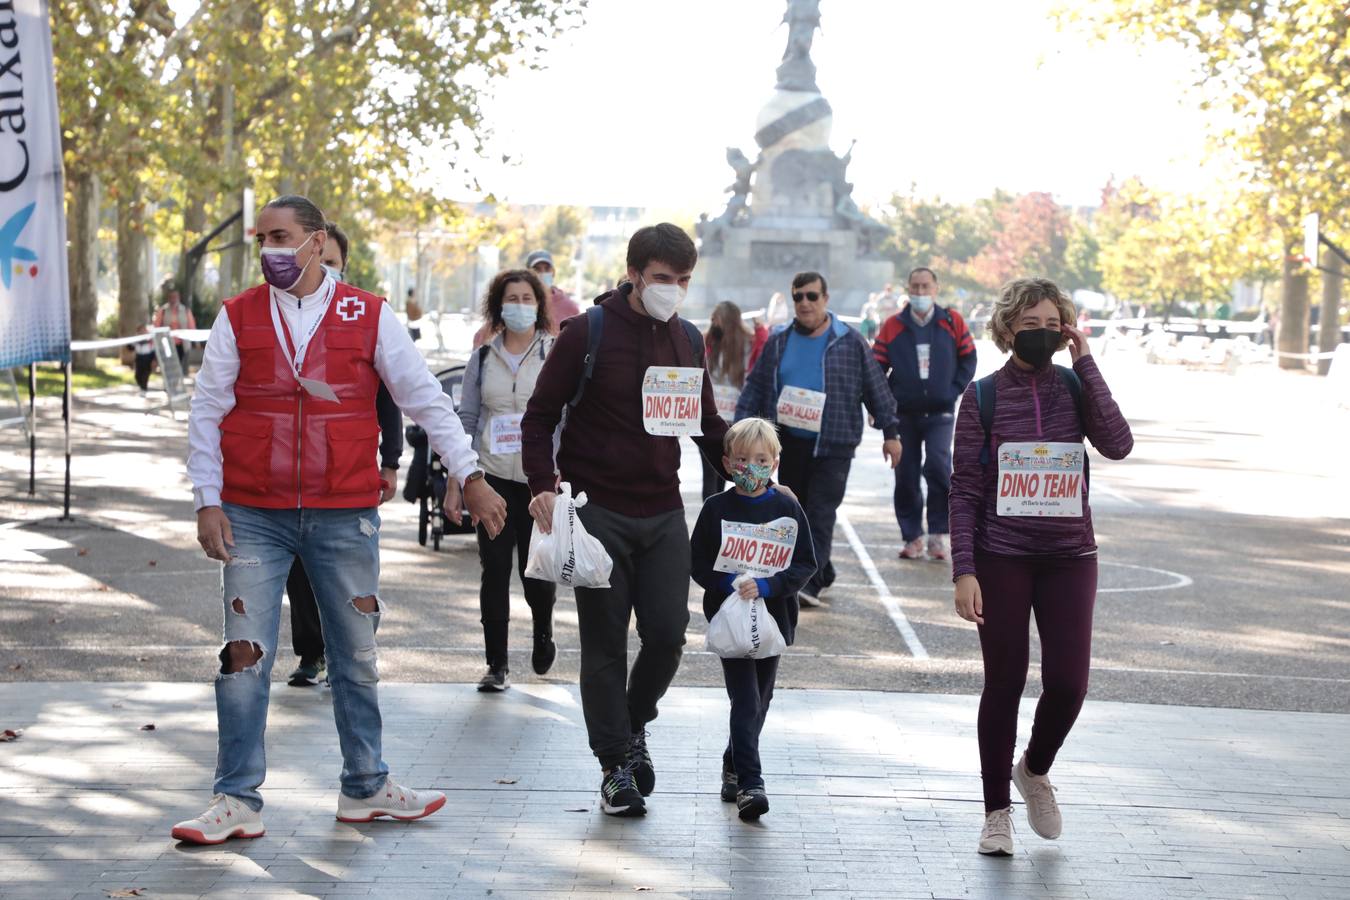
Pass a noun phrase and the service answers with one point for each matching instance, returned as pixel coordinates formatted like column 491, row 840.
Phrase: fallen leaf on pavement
column 128, row 892
column 506, row 780
column 103, row 587
column 142, row 659
column 55, row 620
column 154, row 562
column 83, row 551
column 641, row 887
column 10, row 734
column 16, row 667
column 150, row 727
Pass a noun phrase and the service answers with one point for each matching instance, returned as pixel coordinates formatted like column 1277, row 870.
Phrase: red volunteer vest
column 284, row 448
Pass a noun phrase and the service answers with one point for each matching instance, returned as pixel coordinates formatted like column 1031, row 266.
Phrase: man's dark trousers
column 819, row 483
column 650, row 579
column 933, row 433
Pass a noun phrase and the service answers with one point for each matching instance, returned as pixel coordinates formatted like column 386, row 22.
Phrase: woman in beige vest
column 498, row 381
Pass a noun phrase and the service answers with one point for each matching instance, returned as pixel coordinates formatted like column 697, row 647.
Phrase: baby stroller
column 427, row 477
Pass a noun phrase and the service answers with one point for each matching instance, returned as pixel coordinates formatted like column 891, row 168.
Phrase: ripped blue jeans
column 340, row 550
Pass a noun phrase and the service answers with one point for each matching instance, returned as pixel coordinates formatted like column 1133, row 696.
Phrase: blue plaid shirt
column 852, row 379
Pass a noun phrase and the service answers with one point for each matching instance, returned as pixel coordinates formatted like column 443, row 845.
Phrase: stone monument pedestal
column 759, row 259
column 792, row 209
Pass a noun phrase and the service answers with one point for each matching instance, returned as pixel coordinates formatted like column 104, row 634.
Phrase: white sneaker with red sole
column 392, row 800
column 227, row 817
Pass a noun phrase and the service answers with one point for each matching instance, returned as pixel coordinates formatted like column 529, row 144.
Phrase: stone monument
column 792, row 209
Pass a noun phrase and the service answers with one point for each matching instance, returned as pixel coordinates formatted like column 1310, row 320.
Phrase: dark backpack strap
column 482, row 358
column 695, row 340
column 986, row 397
column 1075, row 386
column 595, row 328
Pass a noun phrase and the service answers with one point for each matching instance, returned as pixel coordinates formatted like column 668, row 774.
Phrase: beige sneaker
column 912, row 550
column 1039, row 794
column 996, row 838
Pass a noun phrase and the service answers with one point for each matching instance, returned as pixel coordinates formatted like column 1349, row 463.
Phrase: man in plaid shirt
column 813, row 378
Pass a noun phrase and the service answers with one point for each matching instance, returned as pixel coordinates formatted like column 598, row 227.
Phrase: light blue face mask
column 519, row 317
column 546, row 278
column 920, row 304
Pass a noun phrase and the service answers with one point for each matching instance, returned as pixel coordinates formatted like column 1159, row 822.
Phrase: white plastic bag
column 744, row 629
column 569, row 556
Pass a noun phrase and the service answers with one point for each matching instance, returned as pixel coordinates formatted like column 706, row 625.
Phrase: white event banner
column 34, row 284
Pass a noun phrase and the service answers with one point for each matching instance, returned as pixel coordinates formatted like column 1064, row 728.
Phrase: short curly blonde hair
column 1019, row 295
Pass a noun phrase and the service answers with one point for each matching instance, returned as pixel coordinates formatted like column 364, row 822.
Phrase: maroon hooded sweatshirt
column 605, row 451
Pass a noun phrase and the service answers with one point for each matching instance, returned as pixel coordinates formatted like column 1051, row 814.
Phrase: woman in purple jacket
column 1022, row 539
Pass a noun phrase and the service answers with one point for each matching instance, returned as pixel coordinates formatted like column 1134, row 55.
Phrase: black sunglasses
column 799, row 296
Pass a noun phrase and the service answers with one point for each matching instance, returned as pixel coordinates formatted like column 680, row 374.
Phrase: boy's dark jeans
column 750, row 687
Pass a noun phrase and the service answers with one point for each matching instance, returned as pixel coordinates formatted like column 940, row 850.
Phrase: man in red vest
column 282, row 457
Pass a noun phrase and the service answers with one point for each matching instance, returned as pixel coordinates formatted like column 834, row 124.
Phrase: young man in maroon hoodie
column 621, row 446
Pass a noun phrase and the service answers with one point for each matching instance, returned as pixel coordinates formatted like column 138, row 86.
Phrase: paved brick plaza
column 874, row 795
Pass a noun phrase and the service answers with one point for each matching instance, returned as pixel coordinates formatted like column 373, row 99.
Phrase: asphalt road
column 1225, row 563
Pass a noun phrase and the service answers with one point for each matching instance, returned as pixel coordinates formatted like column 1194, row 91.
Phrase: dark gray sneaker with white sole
column 495, row 681
column 730, row 786
column 752, row 803
column 641, row 762
column 619, row 794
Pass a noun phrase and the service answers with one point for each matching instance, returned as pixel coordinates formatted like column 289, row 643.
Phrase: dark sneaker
column 619, row 794
column 809, row 598
column 494, row 681
column 641, row 762
column 309, row 673
column 729, row 786
column 751, row 804
column 545, row 652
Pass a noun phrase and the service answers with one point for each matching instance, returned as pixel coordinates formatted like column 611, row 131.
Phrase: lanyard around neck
column 295, row 354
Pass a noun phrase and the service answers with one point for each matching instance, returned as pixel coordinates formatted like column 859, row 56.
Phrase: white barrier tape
column 77, row 346
column 1307, row 356
column 195, row 335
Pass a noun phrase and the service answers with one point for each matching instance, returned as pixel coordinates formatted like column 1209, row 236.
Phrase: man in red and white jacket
column 282, row 457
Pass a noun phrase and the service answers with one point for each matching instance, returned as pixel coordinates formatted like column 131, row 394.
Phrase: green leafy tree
column 1280, row 72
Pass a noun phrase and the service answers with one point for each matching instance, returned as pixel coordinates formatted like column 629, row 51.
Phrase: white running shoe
column 913, row 550
column 996, row 838
column 392, row 800
column 939, row 546
column 227, row 817
column 1039, row 794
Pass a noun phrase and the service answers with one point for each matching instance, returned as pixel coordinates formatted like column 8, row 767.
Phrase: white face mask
column 921, row 303
column 662, row 301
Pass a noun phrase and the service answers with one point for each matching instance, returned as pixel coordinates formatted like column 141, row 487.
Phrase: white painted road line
column 888, row 600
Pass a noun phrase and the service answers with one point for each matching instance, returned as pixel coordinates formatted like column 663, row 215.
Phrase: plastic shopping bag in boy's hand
column 743, row 629
column 569, row 556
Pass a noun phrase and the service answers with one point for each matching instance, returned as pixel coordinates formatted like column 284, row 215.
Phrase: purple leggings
column 1060, row 591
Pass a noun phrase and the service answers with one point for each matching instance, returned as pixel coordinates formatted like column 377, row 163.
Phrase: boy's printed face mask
column 749, row 476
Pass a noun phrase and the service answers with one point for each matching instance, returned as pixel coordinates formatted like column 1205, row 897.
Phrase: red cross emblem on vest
column 351, row 308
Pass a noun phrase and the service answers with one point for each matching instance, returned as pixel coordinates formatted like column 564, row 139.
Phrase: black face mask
column 1035, row 346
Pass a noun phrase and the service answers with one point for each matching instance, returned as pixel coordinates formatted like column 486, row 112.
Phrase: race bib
column 504, row 434
column 800, row 408
column 727, row 398
column 925, row 352
column 757, row 550
column 1042, row 480
column 672, row 401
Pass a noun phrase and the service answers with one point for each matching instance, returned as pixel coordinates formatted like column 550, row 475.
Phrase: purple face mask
column 279, row 267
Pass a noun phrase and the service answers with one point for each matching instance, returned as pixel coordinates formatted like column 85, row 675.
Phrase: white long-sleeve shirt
column 398, row 362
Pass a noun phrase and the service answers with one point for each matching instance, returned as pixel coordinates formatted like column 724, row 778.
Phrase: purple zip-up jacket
column 1031, row 406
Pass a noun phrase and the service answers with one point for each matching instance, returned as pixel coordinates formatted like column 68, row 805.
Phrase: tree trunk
column 82, row 227
column 1293, row 336
column 194, row 226
column 133, row 246
column 1329, row 324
